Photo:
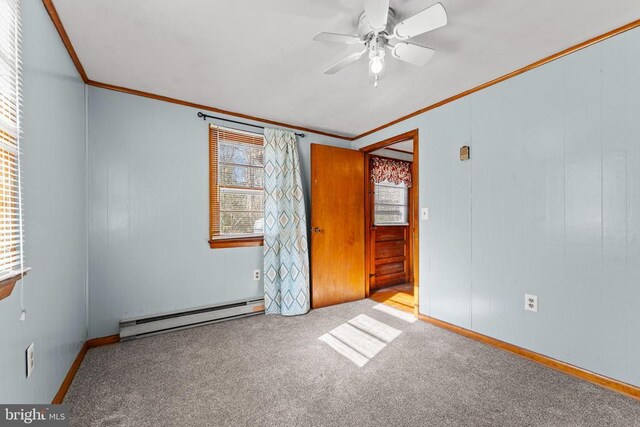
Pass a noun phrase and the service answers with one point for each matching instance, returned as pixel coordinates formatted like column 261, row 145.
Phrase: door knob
column 316, row 229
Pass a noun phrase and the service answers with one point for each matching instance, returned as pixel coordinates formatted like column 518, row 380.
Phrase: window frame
column 215, row 239
column 12, row 260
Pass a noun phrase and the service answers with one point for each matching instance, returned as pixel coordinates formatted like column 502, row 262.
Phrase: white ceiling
column 257, row 57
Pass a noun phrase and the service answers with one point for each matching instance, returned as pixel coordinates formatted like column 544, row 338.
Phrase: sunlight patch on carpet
column 360, row 339
column 407, row 317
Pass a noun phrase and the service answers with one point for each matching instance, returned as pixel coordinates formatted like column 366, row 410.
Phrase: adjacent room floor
column 360, row 363
column 399, row 296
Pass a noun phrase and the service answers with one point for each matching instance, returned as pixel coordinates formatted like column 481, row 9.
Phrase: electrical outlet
column 256, row 275
column 531, row 302
column 30, row 359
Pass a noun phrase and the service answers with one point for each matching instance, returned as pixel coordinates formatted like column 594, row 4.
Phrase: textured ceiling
column 257, row 57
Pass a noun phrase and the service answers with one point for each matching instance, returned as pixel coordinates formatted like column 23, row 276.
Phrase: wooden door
column 390, row 260
column 337, row 225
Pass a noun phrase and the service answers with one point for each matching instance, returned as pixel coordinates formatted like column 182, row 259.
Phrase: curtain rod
column 206, row 116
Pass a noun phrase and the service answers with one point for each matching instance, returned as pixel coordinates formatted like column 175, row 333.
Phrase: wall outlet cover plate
column 30, row 361
column 531, row 302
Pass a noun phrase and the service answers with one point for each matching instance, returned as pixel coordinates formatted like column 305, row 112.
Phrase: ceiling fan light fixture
column 378, row 30
column 376, row 65
column 376, row 61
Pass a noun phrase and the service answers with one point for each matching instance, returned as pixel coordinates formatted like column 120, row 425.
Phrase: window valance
column 395, row 171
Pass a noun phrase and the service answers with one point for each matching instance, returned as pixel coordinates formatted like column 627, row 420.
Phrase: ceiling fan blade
column 428, row 20
column 376, row 12
column 345, row 62
column 412, row 53
column 337, row 38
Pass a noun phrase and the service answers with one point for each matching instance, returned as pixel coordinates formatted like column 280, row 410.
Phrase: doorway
column 391, row 221
column 341, row 220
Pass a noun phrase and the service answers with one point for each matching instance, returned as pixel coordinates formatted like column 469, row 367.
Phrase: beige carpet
column 371, row 368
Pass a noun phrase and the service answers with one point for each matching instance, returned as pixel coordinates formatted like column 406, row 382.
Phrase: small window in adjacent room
column 11, row 254
column 391, row 204
column 236, row 188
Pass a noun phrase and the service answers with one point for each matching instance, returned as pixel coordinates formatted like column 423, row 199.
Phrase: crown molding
column 48, row 4
column 212, row 109
column 55, row 18
column 507, row 76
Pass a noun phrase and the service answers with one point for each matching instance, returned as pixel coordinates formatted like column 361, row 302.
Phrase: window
column 391, row 204
column 236, row 188
column 11, row 262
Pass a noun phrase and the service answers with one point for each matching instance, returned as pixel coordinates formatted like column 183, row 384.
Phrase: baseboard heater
column 161, row 323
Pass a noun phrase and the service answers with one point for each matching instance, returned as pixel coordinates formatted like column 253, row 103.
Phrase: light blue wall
column 149, row 213
column 54, row 179
column 549, row 204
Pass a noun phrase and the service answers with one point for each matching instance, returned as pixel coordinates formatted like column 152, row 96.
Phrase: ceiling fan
column 378, row 30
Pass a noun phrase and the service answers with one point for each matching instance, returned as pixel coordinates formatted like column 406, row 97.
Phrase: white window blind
column 391, row 204
column 11, row 233
column 239, row 201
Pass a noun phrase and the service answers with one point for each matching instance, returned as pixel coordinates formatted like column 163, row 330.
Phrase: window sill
column 8, row 283
column 237, row 242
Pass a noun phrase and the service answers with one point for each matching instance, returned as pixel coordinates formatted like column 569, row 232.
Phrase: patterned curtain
column 286, row 260
column 395, row 171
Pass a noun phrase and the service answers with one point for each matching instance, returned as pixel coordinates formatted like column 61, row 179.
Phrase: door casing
column 414, row 214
